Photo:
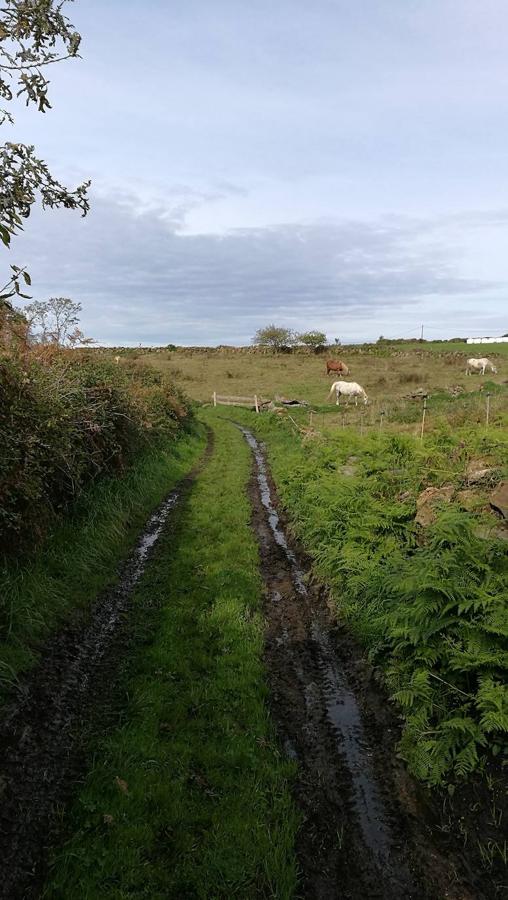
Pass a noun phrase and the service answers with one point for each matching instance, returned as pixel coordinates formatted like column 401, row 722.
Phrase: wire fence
column 486, row 409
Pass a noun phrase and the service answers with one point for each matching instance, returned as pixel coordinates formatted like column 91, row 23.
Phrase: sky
column 330, row 165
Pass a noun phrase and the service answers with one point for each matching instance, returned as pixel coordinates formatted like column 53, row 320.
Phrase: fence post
column 424, row 412
column 256, row 403
column 487, row 416
column 214, row 398
column 310, row 418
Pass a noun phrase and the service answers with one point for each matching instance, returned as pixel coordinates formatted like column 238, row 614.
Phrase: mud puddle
column 358, row 839
column 40, row 732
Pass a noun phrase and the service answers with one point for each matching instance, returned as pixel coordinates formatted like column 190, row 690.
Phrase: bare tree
column 55, row 321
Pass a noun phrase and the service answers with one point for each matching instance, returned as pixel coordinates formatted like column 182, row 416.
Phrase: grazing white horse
column 348, row 389
column 479, row 365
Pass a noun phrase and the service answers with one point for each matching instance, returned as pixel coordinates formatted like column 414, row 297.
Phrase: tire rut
column 41, row 730
column 356, row 840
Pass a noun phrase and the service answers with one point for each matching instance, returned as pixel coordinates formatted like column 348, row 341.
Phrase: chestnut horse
column 336, row 366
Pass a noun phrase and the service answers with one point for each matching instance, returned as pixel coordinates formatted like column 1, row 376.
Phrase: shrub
column 65, row 422
column 410, row 378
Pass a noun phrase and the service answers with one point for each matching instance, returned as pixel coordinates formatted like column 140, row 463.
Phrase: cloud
column 140, row 278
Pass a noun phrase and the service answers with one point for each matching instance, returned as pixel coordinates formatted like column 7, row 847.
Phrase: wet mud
column 364, row 832
column 41, row 731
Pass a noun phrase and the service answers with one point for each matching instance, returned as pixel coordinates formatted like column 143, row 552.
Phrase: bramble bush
column 66, row 420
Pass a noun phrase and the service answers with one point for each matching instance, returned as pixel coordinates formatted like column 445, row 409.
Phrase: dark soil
column 42, row 730
column 367, row 830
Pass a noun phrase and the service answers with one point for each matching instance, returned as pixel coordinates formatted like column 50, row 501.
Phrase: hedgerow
column 65, row 421
column 430, row 603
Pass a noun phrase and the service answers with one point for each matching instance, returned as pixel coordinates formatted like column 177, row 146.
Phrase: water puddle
column 151, row 535
column 344, row 715
column 91, row 651
column 273, row 517
column 327, row 688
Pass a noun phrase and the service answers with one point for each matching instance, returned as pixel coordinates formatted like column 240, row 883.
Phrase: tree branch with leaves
column 33, row 35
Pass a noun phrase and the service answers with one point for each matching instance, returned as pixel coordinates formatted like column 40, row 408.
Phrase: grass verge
column 83, row 552
column 188, row 796
column 428, row 601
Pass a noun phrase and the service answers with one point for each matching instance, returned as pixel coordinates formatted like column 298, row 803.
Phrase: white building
column 487, row 340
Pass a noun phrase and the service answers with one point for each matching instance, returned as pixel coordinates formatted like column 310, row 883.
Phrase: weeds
column 491, row 851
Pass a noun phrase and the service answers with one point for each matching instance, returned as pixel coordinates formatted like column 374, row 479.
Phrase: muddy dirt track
column 40, row 732
column 363, row 833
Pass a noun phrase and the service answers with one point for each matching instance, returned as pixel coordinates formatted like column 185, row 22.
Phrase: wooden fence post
column 256, row 403
column 214, row 398
column 424, row 412
column 487, row 415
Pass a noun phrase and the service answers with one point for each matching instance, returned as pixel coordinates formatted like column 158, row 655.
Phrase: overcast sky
column 334, row 164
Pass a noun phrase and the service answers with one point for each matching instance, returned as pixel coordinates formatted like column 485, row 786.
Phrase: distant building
column 487, row 340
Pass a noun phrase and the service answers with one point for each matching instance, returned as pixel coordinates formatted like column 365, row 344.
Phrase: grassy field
column 83, row 552
column 476, row 350
column 202, row 807
column 387, row 374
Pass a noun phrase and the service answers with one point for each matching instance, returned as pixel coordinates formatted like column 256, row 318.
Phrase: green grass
column 430, row 605
column 388, row 373
column 82, row 554
column 207, row 813
column 471, row 350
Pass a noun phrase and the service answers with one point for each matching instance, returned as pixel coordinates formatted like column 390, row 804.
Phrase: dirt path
column 40, row 732
column 363, row 833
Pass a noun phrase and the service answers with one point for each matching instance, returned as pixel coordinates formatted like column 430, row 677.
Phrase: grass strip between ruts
column 188, row 796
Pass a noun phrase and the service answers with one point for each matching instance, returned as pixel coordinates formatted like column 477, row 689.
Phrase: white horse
column 479, row 365
column 348, row 389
